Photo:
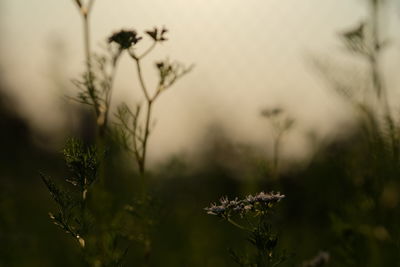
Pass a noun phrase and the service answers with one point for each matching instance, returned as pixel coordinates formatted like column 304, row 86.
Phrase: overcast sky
column 249, row 54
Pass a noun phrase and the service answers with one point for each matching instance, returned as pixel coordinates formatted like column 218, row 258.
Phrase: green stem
column 146, row 137
column 276, row 150
column 237, row 225
column 108, row 98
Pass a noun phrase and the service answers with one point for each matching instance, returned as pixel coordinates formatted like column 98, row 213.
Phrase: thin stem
column 276, row 150
column 86, row 35
column 374, row 57
column 109, row 94
column 236, row 224
column 145, row 53
column 141, row 80
column 142, row 166
column 142, row 159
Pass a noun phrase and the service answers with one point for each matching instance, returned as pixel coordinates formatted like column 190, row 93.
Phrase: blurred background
column 210, row 138
column 248, row 56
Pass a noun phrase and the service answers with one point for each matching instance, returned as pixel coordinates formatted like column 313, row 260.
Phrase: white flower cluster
column 260, row 202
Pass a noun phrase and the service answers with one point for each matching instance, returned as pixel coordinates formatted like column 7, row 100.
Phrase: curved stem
column 237, row 225
column 145, row 53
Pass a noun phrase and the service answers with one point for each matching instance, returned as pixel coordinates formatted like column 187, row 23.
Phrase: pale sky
column 249, row 54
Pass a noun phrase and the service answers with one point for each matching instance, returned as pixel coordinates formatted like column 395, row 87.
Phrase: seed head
column 125, row 39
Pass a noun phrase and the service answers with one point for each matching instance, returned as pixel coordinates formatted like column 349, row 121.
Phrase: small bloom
column 125, row 39
column 264, row 198
column 271, row 112
column 228, row 208
column 158, row 35
column 216, row 210
column 170, row 72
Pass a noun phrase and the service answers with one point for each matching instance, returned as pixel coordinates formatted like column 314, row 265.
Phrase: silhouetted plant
column 93, row 91
column 252, row 214
column 133, row 129
column 281, row 124
column 97, row 92
column 98, row 230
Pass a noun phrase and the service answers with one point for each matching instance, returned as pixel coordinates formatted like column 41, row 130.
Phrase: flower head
column 158, row 35
column 264, row 198
column 258, row 203
column 271, row 112
column 215, row 209
column 125, row 39
column 169, row 72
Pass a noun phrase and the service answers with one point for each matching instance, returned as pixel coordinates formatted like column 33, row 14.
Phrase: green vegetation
column 342, row 208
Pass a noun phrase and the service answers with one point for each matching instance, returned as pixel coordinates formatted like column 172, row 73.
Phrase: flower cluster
column 125, row 39
column 273, row 112
column 259, row 203
column 158, row 35
column 169, row 72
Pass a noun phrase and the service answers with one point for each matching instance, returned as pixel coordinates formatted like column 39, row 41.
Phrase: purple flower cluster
column 260, row 202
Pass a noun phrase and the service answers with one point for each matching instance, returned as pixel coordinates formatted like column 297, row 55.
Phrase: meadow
column 97, row 202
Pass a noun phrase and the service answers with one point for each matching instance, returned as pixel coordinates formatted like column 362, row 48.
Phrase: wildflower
column 264, row 198
column 228, row 208
column 214, row 209
column 271, row 112
column 169, row 72
column 225, row 207
column 125, row 39
column 158, row 34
